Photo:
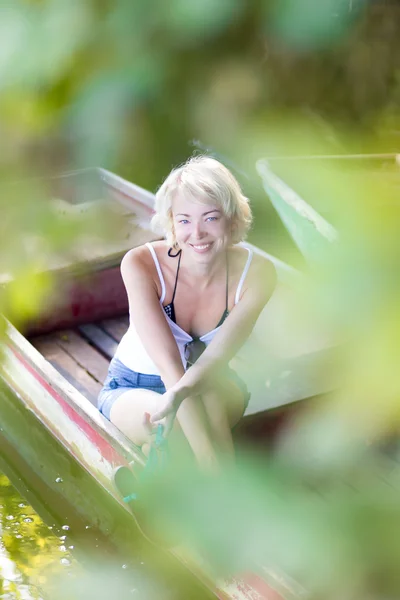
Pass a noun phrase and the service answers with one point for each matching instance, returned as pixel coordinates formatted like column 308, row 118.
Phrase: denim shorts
column 120, row 379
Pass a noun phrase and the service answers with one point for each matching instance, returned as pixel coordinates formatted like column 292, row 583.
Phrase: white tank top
column 131, row 351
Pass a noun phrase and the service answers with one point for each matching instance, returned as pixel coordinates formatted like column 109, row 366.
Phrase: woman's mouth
column 201, row 248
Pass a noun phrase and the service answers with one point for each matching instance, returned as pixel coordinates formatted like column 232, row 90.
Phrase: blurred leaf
column 190, row 21
column 53, row 31
column 308, row 25
column 128, row 84
column 27, row 293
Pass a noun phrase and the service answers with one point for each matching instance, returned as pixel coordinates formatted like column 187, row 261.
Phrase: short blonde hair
column 203, row 179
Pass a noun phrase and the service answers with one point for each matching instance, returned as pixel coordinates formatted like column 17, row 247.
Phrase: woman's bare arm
column 147, row 315
column 152, row 327
column 229, row 339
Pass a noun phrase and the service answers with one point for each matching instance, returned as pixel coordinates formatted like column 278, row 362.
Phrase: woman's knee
column 128, row 413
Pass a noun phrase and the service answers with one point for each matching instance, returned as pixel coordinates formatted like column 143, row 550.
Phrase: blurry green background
column 128, row 85
column 136, row 87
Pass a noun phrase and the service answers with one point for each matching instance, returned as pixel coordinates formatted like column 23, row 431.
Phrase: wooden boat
column 52, row 374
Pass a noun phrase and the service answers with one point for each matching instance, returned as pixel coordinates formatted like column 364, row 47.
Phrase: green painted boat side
column 311, row 233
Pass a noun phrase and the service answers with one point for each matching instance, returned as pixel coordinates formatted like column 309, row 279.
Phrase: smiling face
column 201, row 229
column 200, row 206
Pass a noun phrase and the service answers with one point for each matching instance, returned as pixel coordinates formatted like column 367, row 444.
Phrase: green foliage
column 190, row 22
column 126, row 85
column 40, row 234
column 308, row 25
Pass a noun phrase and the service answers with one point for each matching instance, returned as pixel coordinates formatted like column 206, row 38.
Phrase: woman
column 193, row 300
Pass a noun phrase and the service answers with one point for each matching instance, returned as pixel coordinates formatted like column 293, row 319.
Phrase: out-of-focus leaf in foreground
column 42, row 234
column 307, row 25
column 323, row 506
column 126, row 85
column 330, row 533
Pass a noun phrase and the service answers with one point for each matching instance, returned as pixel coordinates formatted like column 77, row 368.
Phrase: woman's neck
column 204, row 273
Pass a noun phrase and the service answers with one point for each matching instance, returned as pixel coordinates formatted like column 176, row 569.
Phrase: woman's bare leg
column 224, row 407
column 193, row 421
column 128, row 414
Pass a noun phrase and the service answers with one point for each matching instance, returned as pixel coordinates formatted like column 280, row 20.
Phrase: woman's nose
column 198, row 230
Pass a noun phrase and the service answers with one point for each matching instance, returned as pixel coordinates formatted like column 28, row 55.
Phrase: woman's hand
column 170, row 402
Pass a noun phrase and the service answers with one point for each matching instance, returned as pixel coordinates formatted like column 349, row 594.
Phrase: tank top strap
column 243, row 277
column 160, row 275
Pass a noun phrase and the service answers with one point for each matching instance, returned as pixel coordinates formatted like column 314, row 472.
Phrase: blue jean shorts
column 120, row 379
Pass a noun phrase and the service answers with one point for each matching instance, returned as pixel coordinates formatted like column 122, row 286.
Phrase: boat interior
column 82, row 354
column 78, row 332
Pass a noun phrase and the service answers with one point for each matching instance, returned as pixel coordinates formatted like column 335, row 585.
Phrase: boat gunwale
column 16, row 341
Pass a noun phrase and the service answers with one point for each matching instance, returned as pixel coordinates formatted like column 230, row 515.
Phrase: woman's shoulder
column 138, row 266
column 261, row 274
column 142, row 255
column 243, row 254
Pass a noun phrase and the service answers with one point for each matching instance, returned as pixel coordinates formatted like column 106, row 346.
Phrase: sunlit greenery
column 130, row 86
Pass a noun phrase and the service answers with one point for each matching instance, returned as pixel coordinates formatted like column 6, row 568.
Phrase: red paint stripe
column 252, row 587
column 246, row 585
column 98, row 296
column 107, row 451
column 257, row 583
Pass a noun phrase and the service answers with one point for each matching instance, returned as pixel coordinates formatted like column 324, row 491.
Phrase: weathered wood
column 99, row 338
column 90, row 297
column 68, row 415
column 84, row 433
column 105, row 254
column 83, row 353
column 116, row 327
column 71, row 379
column 96, row 255
column 48, row 346
column 62, row 408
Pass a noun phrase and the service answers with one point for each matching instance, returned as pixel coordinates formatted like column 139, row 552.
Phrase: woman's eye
column 212, row 218
column 184, row 221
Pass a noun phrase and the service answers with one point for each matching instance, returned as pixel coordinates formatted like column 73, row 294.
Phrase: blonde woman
column 194, row 298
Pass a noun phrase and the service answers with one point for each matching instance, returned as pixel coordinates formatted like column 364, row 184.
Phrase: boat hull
column 280, row 370
column 73, row 451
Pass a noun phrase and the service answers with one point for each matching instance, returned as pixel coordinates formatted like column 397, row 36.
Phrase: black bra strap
column 227, row 283
column 173, row 255
column 177, row 270
column 226, row 312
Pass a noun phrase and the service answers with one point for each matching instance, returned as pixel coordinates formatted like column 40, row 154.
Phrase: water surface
column 32, row 554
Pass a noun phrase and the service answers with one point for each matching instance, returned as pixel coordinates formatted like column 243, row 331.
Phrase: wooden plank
column 100, row 339
column 83, row 353
column 25, row 363
column 63, row 362
column 116, row 327
column 101, row 254
column 71, row 379
column 94, row 255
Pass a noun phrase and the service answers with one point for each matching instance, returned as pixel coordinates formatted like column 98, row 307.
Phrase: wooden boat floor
column 82, row 355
